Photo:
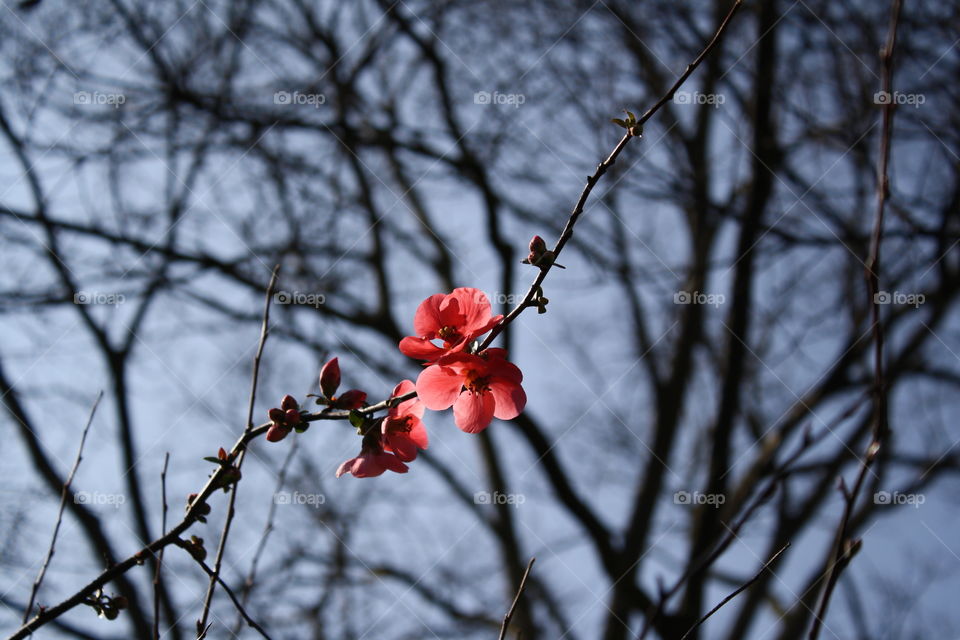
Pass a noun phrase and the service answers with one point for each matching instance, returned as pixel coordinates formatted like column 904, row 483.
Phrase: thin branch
column 233, row 598
column 221, row 547
column 509, row 615
column 63, row 503
column 163, row 527
column 844, row 547
column 737, row 592
column 602, row 168
column 247, row 587
column 782, row 471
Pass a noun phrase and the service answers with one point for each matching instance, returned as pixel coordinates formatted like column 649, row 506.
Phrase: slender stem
column 844, row 546
column 513, row 607
column 63, row 503
column 163, row 527
column 737, row 592
column 602, row 168
column 221, row 547
column 248, row 584
column 233, row 598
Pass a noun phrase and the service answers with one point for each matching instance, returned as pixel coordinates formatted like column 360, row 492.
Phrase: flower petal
column 347, row 466
column 418, row 434
column 420, row 348
column 438, row 387
column 401, row 445
column 473, row 411
column 475, row 307
column 509, row 396
column 427, row 321
column 500, row 368
column 391, row 462
column 411, row 407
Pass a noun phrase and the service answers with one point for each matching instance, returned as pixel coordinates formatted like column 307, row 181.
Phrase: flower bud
column 537, row 245
column 330, row 378
column 352, row 399
column 276, row 415
column 288, row 403
column 277, row 432
column 292, row 417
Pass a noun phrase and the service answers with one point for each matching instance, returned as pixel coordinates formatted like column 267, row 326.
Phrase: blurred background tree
column 159, row 158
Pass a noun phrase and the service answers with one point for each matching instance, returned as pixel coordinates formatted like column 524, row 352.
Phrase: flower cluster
column 479, row 385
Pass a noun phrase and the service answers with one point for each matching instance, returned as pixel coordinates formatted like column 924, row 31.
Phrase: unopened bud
column 537, row 245
column 288, row 403
column 352, row 399
column 330, row 378
column 277, row 432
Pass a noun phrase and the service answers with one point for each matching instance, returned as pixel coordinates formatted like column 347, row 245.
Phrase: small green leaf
column 357, row 419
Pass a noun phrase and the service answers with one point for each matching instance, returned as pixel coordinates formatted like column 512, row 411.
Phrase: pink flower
column 455, row 318
column 371, row 462
column 402, row 430
column 478, row 387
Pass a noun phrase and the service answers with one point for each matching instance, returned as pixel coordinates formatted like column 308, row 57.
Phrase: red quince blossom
column 478, row 387
column 371, row 462
column 455, row 318
column 402, row 429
